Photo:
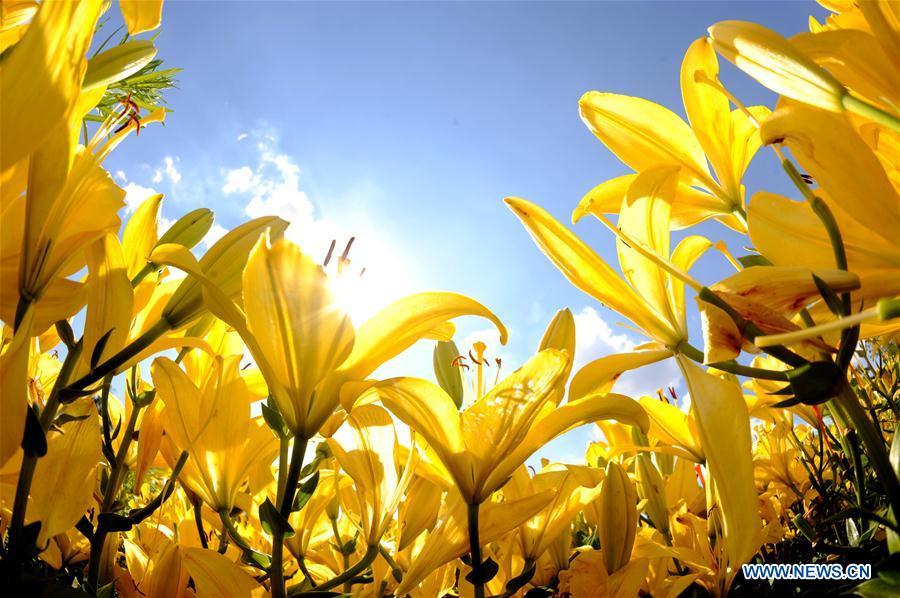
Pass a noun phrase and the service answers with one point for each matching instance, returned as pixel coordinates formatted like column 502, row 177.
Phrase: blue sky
column 406, row 124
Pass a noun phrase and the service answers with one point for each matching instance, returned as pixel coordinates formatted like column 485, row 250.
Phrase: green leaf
column 272, row 520
column 812, row 383
column 519, row 581
column 755, row 259
column 274, row 419
column 831, row 299
column 34, row 441
column 305, row 492
column 483, row 573
column 114, row 522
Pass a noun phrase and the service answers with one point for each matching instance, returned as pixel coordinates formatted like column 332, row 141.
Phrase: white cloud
column 242, row 136
column 596, row 338
column 135, row 195
column 238, row 180
column 167, row 171
column 120, row 176
column 593, row 333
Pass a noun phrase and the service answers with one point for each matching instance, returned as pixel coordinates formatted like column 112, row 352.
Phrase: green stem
column 340, row 545
column 396, row 571
column 116, row 361
column 475, row 546
column 276, row 571
column 109, row 497
column 29, row 461
column 198, row 518
column 732, row 367
column 352, row 572
column 857, row 106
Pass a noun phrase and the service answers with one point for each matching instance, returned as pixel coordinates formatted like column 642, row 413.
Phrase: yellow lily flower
column 366, row 447
column 864, row 202
column 575, row 486
column 485, row 443
column 308, row 380
column 645, row 135
column 449, row 539
column 68, row 469
column 212, row 422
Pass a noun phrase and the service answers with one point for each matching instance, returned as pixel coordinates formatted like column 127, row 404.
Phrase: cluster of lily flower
column 260, row 456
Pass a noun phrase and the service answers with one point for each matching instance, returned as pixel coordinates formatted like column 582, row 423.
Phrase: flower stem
column 29, row 461
column 732, row 367
column 475, row 546
column 276, row 571
column 864, row 109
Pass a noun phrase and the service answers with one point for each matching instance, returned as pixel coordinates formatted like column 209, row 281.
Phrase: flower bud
column 652, row 488
column 223, row 264
column 118, row 63
column 618, row 521
column 447, row 373
column 189, row 229
column 777, row 64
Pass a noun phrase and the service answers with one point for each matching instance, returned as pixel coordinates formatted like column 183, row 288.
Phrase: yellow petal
column 14, row 388
column 720, row 412
column 645, row 217
column 586, row 270
column 449, row 539
column 776, row 63
column 16, row 17
column 430, row 411
column 689, row 206
column 140, row 234
column 399, row 325
column 721, row 338
column 686, row 253
column 68, row 469
column 222, row 264
column 39, row 88
column 618, row 523
column 419, row 510
column 709, row 112
column 215, row 575
column 141, row 15
column 671, row 425
column 841, row 163
column 557, row 421
column 599, row 376
column 498, row 421
column 110, row 299
column 365, row 447
column 856, row 59
column 643, row 134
